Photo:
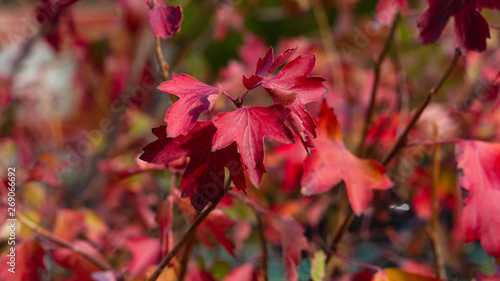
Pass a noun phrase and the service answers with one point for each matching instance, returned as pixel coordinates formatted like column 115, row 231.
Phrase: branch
column 434, row 235
column 402, row 138
column 185, row 237
column 185, row 258
column 46, row 234
column 159, row 55
column 361, row 150
column 341, row 230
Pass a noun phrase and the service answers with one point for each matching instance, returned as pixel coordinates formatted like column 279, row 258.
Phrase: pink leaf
column 195, row 97
column 480, row 165
column 332, row 163
column 166, row 21
column 145, row 252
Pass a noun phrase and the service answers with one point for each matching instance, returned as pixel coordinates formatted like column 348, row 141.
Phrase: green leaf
column 318, row 266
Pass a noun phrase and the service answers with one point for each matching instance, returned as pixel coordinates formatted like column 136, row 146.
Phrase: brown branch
column 185, row 237
column 46, row 234
column 339, row 233
column 361, row 149
column 402, row 138
column 185, row 258
column 161, row 60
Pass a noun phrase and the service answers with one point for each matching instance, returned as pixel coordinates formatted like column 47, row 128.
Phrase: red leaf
column 333, row 163
column 195, row 97
column 28, row 260
column 145, row 252
column 203, row 179
column 480, row 166
column 166, row 21
column 294, row 88
column 165, row 217
column 471, row 28
column 248, row 126
column 266, row 66
column 293, row 242
column 290, row 235
column 75, row 262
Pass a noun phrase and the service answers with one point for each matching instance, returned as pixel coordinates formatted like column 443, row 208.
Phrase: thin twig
column 361, row 149
column 438, row 257
column 328, row 42
column 46, row 234
column 402, row 138
column 185, row 258
column 184, row 238
column 341, row 230
column 159, row 55
column 436, row 142
column 358, row 263
column 263, row 244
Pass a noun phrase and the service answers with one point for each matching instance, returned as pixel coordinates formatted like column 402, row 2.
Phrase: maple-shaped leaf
column 293, row 88
column 479, row 163
column 166, row 21
column 293, row 82
column 203, row 179
column 266, row 66
column 27, row 264
column 195, row 97
column 333, row 163
column 248, row 126
column 471, row 28
column 395, row 274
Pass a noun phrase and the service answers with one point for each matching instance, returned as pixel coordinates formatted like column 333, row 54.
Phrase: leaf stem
column 185, row 237
column 436, row 142
column 433, row 91
column 46, row 234
column 361, row 149
column 358, row 263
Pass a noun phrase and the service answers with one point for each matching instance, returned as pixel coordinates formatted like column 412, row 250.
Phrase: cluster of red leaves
column 234, row 140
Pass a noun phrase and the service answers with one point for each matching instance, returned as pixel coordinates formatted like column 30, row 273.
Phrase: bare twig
column 402, row 138
column 328, row 42
column 263, row 244
column 46, row 234
column 185, row 237
column 185, row 258
column 438, row 257
column 361, row 149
